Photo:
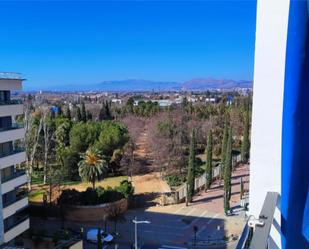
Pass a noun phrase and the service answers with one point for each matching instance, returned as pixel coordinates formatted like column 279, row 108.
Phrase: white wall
column 269, row 70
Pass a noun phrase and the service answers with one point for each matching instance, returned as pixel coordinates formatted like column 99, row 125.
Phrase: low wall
column 93, row 213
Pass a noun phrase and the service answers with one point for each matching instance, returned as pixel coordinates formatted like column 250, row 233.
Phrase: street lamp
column 135, row 221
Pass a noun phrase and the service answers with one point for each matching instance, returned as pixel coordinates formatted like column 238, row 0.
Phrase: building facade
column 14, row 218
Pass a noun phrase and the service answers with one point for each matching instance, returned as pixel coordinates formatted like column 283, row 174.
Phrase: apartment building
column 14, row 219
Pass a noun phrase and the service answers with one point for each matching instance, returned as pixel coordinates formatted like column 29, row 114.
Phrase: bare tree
column 31, row 139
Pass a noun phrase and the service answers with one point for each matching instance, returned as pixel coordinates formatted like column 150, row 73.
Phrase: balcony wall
column 10, row 84
column 11, row 110
column 13, row 183
column 16, row 230
column 11, row 134
column 11, row 209
column 12, row 159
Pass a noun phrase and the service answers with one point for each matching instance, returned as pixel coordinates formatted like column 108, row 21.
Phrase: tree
column 242, row 190
column 228, row 172
column 92, row 166
column 78, row 114
column 99, row 239
column 59, row 111
column 68, row 113
column 191, row 167
column 209, row 161
column 83, row 112
column 223, row 148
column 89, row 115
column 49, row 135
column 116, row 215
column 245, row 146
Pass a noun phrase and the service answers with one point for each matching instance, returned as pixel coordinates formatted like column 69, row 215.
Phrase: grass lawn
column 107, row 182
column 36, row 195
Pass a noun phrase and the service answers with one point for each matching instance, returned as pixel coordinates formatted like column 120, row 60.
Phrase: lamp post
column 135, row 221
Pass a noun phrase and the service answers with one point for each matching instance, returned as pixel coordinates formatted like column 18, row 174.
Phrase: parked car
column 92, row 236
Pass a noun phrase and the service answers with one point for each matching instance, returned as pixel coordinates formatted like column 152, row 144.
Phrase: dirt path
column 148, row 185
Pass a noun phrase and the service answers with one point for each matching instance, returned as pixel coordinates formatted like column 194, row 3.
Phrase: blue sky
column 55, row 43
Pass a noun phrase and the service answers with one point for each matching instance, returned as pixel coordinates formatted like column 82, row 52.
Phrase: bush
column 96, row 196
column 174, row 180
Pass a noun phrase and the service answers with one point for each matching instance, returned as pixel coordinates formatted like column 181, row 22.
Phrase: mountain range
column 135, row 85
column 198, row 84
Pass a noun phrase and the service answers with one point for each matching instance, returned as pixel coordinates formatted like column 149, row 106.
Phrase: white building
column 14, row 219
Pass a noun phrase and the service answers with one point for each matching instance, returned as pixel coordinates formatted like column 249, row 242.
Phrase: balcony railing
column 12, row 152
column 14, row 175
column 18, row 197
column 11, row 102
column 256, row 232
column 16, row 222
column 12, row 127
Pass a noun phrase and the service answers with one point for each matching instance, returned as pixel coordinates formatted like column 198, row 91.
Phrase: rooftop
column 10, row 75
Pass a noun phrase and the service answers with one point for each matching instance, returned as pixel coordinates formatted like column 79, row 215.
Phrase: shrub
column 174, row 180
column 96, row 196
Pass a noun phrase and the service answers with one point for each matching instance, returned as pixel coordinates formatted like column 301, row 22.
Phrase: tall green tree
column 83, row 112
column 68, row 113
column 223, row 148
column 228, row 172
column 191, row 167
column 92, row 166
column 78, row 114
column 245, row 146
column 209, row 160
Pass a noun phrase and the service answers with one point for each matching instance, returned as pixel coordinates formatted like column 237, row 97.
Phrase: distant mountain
column 138, row 85
column 198, row 84
column 201, row 84
column 135, row 85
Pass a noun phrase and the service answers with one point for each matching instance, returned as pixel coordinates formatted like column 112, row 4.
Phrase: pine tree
column 245, row 146
column 68, row 113
column 83, row 112
column 228, row 172
column 191, row 167
column 223, row 148
column 78, row 115
column 209, row 161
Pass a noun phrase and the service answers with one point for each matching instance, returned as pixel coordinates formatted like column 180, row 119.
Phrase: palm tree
column 92, row 166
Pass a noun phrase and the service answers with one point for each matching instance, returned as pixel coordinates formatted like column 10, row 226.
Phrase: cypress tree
column 78, row 115
column 102, row 113
column 209, row 161
column 83, row 112
column 191, row 167
column 68, row 113
column 107, row 111
column 223, row 148
column 89, row 115
column 59, row 111
column 228, row 172
column 245, row 146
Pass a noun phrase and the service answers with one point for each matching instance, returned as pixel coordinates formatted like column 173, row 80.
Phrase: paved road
column 172, row 227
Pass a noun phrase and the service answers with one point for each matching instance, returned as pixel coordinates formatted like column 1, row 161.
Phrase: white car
column 92, row 236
